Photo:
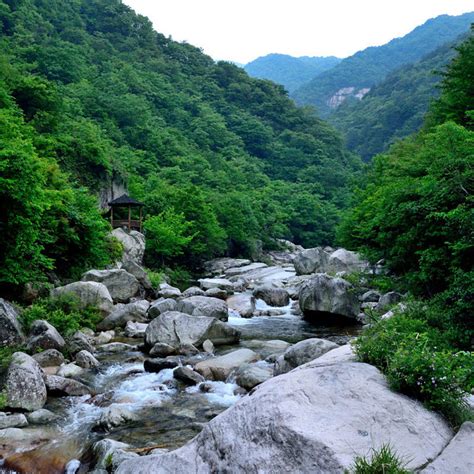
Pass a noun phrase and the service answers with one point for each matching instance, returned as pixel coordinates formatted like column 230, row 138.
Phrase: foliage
column 382, row 461
column 6, row 353
column 63, row 312
column 155, row 277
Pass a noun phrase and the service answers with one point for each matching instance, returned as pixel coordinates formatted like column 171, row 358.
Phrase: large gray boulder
column 243, row 303
column 12, row 420
column 311, row 261
column 133, row 243
column 251, row 375
column 122, row 314
column 329, row 295
column 167, row 291
column 204, row 306
column 10, row 330
column 44, row 336
column 342, row 260
column 221, row 283
column 121, row 285
column 311, row 420
column 49, row 358
column 388, row 299
column 272, row 296
column 58, row 385
column 138, row 272
column 220, row 265
column 89, row 293
column 175, row 328
column 80, row 342
column 24, row 385
column 161, row 306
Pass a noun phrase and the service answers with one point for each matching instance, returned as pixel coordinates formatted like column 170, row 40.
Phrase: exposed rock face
column 25, row 386
column 161, row 306
column 175, row 328
column 301, row 353
column 122, row 314
column 272, row 296
column 90, row 293
column 187, row 376
column 312, row 420
column 49, row 358
column 121, row 285
column 204, row 306
column 249, row 376
column 10, row 329
column 325, row 294
column 62, row 386
column 219, row 368
column 243, row 303
column 44, row 336
column 133, row 244
column 457, row 456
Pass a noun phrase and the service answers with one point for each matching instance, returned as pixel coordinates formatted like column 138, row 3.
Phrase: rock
column 41, row 417
column 388, row 299
column 281, row 366
column 159, row 364
column 121, row 315
column 11, row 333
column 221, row 283
column 302, row 352
column 204, row 306
column 115, row 415
column 168, row 291
column 16, row 420
column 121, row 285
column 193, row 291
column 103, row 452
column 133, row 243
column 219, row 368
column 370, row 296
column 58, row 385
column 25, row 388
column 208, row 346
column 242, row 270
column 104, row 337
column 340, row 354
column 135, row 329
column 161, row 306
column 220, row 265
column 243, row 303
column 342, row 260
column 116, row 347
column 80, row 342
column 119, row 456
column 69, row 370
column 187, row 376
column 457, row 456
column 160, row 349
column 90, row 293
column 216, row 293
column 44, row 336
column 311, row 420
column 328, row 295
column 72, row 466
column 267, row 348
column 86, row 360
column 49, row 358
column 249, row 376
column 188, row 349
column 138, row 272
column 311, row 261
column 174, row 328
column 272, row 296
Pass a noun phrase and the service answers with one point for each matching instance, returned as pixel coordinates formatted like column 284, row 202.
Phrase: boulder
column 457, row 456
column 329, row 296
column 168, row 291
column 86, row 360
column 15, row 420
column 342, row 260
column 160, row 349
column 311, row 261
column 79, row 342
column 267, row 348
column 25, row 388
column 249, row 376
column 89, row 293
column 57, row 385
column 338, row 355
column 49, row 358
column 311, row 420
column 216, row 293
column 193, row 291
column 69, row 370
column 135, row 329
column 219, row 368
column 204, row 306
column 104, row 450
column 370, row 296
column 208, row 346
column 116, row 347
column 103, row 337
column 388, row 299
column 122, row 314
column 121, row 285
column 41, row 417
column 243, row 303
column 243, row 269
column 133, row 243
column 161, row 306
column 187, row 376
column 159, row 364
column 272, row 296
column 138, row 272
column 11, row 333
column 115, row 415
column 44, row 336
column 221, row 283
column 220, row 265
column 175, row 328
column 303, row 352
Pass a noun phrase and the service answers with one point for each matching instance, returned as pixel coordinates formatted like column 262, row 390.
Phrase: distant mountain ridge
column 354, row 76
column 289, row 71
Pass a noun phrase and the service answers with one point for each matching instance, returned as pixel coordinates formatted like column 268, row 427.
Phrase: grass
column 381, row 461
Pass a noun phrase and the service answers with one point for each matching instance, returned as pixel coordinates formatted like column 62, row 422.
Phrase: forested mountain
column 90, row 93
column 289, row 71
column 354, row 76
column 394, row 108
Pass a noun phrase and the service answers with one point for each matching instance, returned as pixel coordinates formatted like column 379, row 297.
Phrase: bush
column 6, row 355
column 382, row 461
column 64, row 313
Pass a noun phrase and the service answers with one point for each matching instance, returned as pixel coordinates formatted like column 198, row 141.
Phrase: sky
column 242, row 30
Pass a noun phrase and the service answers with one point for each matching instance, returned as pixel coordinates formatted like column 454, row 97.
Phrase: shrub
column 6, row 353
column 382, row 461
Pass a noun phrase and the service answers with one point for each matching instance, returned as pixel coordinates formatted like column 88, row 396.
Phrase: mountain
column 91, row 96
column 356, row 75
column 395, row 107
column 289, row 71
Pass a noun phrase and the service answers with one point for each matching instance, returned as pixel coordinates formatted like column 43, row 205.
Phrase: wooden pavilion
column 118, row 218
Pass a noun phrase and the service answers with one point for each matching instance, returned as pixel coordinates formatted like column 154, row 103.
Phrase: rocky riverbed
column 251, row 371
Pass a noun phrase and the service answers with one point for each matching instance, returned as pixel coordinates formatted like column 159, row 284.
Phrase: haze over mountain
column 354, row 76
column 289, row 71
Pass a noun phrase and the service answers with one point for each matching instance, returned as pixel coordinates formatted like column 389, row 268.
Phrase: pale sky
column 242, row 30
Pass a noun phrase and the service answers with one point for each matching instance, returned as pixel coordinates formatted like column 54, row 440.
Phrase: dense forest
column 90, row 93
